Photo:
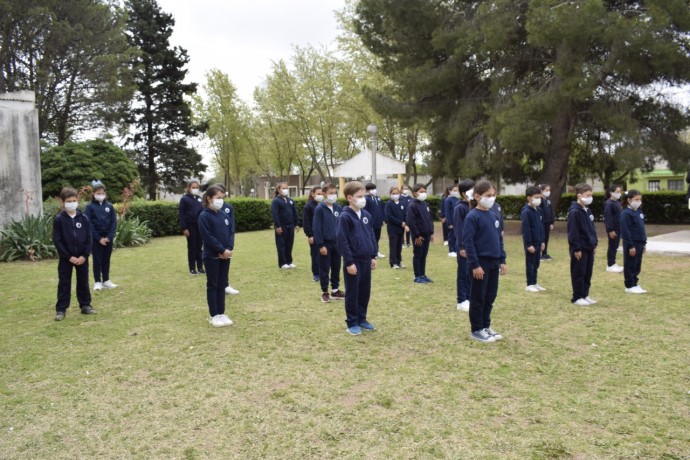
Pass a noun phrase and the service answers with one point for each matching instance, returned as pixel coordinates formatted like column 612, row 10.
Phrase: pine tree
column 160, row 116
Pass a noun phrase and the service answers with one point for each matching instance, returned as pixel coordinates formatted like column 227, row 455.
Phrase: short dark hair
column 632, row 193
column 532, row 190
column 418, row 187
column 370, row 186
column 329, row 186
column 210, row 192
column 465, row 185
column 67, row 192
column 582, row 188
column 352, row 187
column 482, row 187
column 543, row 187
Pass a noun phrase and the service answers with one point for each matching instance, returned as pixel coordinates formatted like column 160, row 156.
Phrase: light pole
column 373, row 130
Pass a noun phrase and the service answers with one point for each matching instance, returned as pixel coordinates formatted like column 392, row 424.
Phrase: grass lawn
column 148, row 377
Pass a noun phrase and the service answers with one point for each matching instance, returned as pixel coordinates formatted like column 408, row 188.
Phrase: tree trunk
column 555, row 172
column 151, row 152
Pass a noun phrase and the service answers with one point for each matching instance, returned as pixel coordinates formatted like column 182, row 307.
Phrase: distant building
column 661, row 179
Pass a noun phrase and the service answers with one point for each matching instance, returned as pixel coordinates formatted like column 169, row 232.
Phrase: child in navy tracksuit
column 405, row 200
column 442, row 213
column 189, row 209
column 582, row 241
column 72, row 239
column 532, row 237
column 612, row 222
column 449, row 205
column 463, row 278
column 549, row 218
column 217, row 231
column 230, row 214
column 103, row 220
column 325, row 222
column 357, row 244
column 286, row 223
column 315, row 197
column 634, row 241
column 376, row 209
column 395, row 225
column 483, row 243
column 421, row 225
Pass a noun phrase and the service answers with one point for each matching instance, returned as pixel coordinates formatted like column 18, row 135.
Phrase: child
column 375, row 208
column 449, row 205
column 217, row 233
column 405, row 200
column 395, row 225
column 463, row 279
column 357, row 244
column 634, row 241
column 103, row 220
column 315, row 197
column 230, row 214
column 532, row 237
column 483, row 244
column 189, row 209
column 422, row 228
column 582, row 241
column 325, row 222
column 286, row 223
column 548, row 218
column 73, row 241
column 612, row 222
column 442, row 213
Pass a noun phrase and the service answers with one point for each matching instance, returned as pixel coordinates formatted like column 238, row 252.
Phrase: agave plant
column 131, row 232
column 29, row 238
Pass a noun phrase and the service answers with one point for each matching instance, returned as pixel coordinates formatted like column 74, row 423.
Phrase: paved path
column 676, row 243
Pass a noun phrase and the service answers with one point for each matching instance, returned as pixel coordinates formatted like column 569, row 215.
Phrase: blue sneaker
column 354, row 330
column 421, row 279
column 316, row 278
column 428, row 280
column 367, row 326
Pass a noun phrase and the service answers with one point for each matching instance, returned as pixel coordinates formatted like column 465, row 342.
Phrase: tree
column 76, row 164
column 73, row 55
column 521, row 82
column 160, row 116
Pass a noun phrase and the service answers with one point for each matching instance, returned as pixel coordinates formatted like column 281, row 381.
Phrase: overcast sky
column 243, row 37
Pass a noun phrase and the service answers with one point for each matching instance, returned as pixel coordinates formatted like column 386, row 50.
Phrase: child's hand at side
column 478, row 273
column 531, row 249
column 503, row 269
column 352, row 269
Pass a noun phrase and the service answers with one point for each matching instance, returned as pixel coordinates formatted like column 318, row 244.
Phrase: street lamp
column 373, row 130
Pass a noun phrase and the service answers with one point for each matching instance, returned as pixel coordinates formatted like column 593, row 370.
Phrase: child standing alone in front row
column 357, row 244
column 483, row 244
column 532, row 237
column 634, row 241
column 421, row 225
column 582, row 242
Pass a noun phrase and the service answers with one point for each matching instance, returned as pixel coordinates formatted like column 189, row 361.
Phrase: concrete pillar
column 401, row 181
column 341, row 187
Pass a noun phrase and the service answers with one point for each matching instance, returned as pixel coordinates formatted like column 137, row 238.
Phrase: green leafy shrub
column 30, row 238
column 131, row 232
column 252, row 214
column 160, row 216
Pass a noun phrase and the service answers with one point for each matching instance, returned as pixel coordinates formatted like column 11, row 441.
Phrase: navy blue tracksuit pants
column 419, row 257
column 315, row 263
column 284, row 243
column 452, row 243
column 581, row 274
column 216, row 281
column 64, row 293
column 612, row 249
column 632, row 265
column 532, row 266
column 463, row 279
column 194, row 248
column 547, row 232
column 330, row 262
column 395, row 242
column 101, row 261
column 357, row 292
column 483, row 294
column 377, row 235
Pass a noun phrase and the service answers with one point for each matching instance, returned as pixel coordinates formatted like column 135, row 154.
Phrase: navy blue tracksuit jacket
column 284, row 212
column 419, row 219
column 188, row 211
column 581, row 232
column 217, row 230
column 72, row 237
column 375, row 208
column 396, row 215
column 532, row 228
column 325, row 224
column 355, row 237
column 308, row 217
column 103, row 219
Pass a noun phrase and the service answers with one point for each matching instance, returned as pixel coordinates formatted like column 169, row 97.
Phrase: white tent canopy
column 360, row 165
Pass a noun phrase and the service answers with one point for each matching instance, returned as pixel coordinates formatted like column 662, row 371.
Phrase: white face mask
column 487, row 202
column 586, row 200
column 285, row 192
column 373, row 192
column 546, row 193
column 616, row 196
column 100, row 198
column 318, row 198
column 72, row 206
column 421, row 196
column 635, row 205
column 455, row 194
column 536, row 202
column 406, row 192
column 360, row 202
column 395, row 197
column 194, row 191
column 332, row 198
column 470, row 194
column 217, row 203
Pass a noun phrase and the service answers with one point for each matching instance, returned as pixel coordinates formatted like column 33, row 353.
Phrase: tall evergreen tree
column 160, row 115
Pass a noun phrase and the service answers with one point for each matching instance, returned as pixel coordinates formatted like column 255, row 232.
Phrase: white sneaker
column 231, row 291
column 216, row 321
column 97, row 286
column 590, row 300
column 396, row 267
column 532, row 288
column 464, row 306
column 381, row 256
column 642, row 291
column 445, row 243
column 109, row 284
column 292, row 266
column 403, row 266
column 541, row 288
column 285, row 267
column 614, row 269
column 582, row 302
column 452, row 254
column 494, row 334
column 226, row 321
column 635, row 290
